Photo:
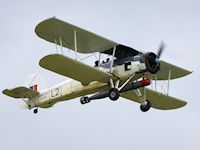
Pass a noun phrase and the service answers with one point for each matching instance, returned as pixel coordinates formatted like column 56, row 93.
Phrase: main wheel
column 114, row 94
column 145, row 107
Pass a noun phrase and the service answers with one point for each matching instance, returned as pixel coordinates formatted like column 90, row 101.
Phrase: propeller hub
column 152, row 62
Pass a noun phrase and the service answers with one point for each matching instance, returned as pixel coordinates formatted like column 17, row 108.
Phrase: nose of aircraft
column 152, row 62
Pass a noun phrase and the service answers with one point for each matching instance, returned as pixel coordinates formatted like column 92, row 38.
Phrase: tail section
column 34, row 88
column 20, row 92
column 35, row 82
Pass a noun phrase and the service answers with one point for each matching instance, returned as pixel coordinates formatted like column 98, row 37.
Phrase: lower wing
column 73, row 69
column 158, row 100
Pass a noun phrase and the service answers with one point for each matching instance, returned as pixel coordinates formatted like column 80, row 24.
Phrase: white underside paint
column 65, row 91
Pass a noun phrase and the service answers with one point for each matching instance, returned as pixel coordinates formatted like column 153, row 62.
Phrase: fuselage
column 122, row 69
column 65, row 91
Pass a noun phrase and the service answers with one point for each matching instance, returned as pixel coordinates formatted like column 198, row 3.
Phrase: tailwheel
column 146, row 106
column 84, row 100
column 35, row 111
column 114, row 94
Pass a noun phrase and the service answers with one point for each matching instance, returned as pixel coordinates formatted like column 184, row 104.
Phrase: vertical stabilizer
column 35, row 82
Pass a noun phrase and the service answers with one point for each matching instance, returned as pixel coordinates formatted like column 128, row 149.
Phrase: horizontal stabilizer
column 20, row 92
column 158, row 100
column 73, row 69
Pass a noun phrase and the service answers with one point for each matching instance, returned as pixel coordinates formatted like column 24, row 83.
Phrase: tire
column 35, row 111
column 114, row 94
column 82, row 102
column 145, row 108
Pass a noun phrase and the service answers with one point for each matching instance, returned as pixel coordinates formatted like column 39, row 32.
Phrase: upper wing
column 20, row 92
column 176, row 72
column 158, row 100
column 52, row 29
column 68, row 67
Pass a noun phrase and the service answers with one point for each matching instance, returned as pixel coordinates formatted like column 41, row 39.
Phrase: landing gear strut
column 114, row 94
column 84, row 100
column 146, row 106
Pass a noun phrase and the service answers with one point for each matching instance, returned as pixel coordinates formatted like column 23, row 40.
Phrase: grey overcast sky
column 103, row 124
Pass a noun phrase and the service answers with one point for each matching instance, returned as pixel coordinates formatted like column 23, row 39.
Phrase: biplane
column 127, row 74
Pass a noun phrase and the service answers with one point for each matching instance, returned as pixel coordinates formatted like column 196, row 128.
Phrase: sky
column 103, row 124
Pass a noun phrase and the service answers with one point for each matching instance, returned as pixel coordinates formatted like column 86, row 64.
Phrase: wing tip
column 183, row 103
column 180, row 104
column 186, row 73
column 42, row 61
column 40, row 25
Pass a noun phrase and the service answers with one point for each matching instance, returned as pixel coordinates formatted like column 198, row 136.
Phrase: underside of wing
column 158, row 100
column 169, row 71
column 20, row 92
column 122, row 51
column 54, row 30
column 73, row 69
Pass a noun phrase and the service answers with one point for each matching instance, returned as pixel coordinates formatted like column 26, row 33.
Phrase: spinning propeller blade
column 160, row 50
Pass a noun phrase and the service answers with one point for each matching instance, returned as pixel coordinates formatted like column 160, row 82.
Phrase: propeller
column 152, row 61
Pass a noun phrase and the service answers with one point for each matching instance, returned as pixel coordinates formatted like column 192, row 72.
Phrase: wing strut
column 111, row 64
column 169, row 78
column 75, row 44
column 61, row 47
column 56, row 46
column 99, row 62
column 113, row 55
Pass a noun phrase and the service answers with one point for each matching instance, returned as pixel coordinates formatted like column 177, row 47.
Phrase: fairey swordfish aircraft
column 126, row 75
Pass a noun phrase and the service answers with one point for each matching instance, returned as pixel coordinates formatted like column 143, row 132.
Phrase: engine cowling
column 152, row 62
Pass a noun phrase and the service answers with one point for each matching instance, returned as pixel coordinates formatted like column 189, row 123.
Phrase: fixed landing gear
column 146, row 106
column 114, row 94
column 35, row 111
column 84, row 100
